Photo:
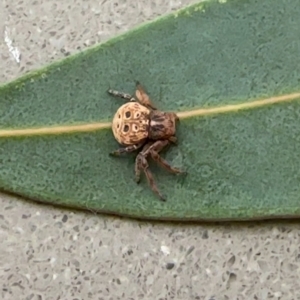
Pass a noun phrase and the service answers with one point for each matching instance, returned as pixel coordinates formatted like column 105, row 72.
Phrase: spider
column 138, row 124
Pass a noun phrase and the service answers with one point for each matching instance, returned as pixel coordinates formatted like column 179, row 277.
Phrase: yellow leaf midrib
column 88, row 127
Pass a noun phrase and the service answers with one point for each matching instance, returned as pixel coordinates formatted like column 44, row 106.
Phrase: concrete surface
column 50, row 253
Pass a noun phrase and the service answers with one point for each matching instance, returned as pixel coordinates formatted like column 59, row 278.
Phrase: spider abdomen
column 130, row 124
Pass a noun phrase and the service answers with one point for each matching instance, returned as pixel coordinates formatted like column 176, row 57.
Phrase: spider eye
column 137, row 115
column 135, row 128
column 126, row 128
column 119, row 116
column 127, row 114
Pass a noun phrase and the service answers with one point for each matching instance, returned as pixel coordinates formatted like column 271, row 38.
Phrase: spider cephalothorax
column 140, row 124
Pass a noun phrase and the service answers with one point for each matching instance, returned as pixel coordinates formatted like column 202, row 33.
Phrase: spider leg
column 127, row 149
column 143, row 97
column 138, row 162
column 121, row 95
column 173, row 139
column 142, row 164
column 154, row 152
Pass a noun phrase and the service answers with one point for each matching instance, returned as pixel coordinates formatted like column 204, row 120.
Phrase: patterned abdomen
column 131, row 123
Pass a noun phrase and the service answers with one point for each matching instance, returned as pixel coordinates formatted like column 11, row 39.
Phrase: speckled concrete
column 50, row 253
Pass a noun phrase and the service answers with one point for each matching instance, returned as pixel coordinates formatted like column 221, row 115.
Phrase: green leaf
column 243, row 164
